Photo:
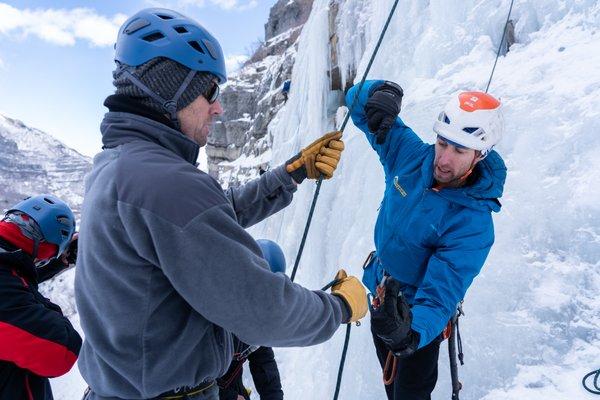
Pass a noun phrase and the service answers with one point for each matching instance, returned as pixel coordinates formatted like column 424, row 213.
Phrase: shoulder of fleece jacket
column 34, row 335
column 155, row 179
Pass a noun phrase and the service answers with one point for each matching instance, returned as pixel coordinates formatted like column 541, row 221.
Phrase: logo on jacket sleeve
column 399, row 188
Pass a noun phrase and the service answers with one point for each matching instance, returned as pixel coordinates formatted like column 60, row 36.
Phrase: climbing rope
column 318, row 190
column 342, row 128
column 452, row 342
column 596, row 388
column 500, row 46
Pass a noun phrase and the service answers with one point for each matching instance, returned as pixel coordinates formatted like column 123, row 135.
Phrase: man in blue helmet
column 166, row 272
column 434, row 229
column 37, row 341
column 261, row 360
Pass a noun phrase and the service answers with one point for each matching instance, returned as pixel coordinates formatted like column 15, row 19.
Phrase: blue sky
column 56, row 57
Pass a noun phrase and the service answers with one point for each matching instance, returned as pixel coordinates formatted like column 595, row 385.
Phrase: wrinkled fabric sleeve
column 451, row 269
column 262, row 197
column 217, row 267
column 53, row 268
column 402, row 143
column 33, row 336
column 265, row 374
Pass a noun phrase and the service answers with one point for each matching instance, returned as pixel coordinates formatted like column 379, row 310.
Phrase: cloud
column 60, row 26
column 229, row 5
column 233, row 62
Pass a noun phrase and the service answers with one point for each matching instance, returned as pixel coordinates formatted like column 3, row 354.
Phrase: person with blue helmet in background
column 261, row 360
column 37, row 341
column 434, row 229
column 166, row 273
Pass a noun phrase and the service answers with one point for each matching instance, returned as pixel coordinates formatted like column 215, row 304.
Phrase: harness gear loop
column 389, row 376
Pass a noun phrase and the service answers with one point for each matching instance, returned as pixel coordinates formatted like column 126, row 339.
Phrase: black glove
column 392, row 319
column 72, row 251
column 382, row 108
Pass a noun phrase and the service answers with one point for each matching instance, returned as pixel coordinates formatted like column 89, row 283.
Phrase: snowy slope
column 532, row 325
column 32, row 162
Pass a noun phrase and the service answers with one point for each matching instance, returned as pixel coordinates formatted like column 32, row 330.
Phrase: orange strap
column 388, row 378
column 447, row 330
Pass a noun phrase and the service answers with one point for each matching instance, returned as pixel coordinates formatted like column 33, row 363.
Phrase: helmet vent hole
column 196, row 46
column 470, row 130
column 153, row 37
column 47, row 200
column 163, row 16
column 180, row 29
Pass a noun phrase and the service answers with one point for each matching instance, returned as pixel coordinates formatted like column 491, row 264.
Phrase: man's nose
column 216, row 108
column 445, row 156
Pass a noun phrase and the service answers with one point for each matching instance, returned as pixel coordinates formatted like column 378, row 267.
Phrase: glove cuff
column 295, row 167
column 408, row 345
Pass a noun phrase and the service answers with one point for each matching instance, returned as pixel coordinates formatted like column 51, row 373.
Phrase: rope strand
column 500, row 46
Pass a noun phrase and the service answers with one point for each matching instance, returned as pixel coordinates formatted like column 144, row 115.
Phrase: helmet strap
column 36, row 246
column 170, row 106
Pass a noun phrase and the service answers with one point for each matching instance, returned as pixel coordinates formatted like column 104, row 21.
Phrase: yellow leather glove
column 353, row 293
column 320, row 157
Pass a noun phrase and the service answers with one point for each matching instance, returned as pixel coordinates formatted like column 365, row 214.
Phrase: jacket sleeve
column 217, row 267
column 459, row 258
column 262, row 197
column 402, row 143
column 265, row 374
column 52, row 269
column 33, row 335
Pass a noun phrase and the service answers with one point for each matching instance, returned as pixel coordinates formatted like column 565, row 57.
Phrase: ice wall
column 532, row 325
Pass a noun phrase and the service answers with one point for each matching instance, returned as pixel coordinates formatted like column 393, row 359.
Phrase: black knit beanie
column 164, row 77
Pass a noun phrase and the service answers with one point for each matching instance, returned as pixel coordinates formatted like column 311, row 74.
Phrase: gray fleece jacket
column 166, row 272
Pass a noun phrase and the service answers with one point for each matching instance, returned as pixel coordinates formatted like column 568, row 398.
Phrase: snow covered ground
column 532, row 328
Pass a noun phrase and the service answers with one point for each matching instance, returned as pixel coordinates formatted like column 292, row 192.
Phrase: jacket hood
column 484, row 192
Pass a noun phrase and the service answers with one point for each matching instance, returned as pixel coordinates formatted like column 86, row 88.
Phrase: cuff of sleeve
column 419, row 326
column 346, row 312
column 285, row 178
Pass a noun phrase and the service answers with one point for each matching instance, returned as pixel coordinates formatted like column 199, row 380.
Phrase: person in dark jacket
column 261, row 360
column 434, row 229
column 166, row 273
column 37, row 341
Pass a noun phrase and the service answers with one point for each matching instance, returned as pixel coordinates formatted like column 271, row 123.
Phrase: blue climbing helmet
column 273, row 254
column 53, row 217
column 158, row 32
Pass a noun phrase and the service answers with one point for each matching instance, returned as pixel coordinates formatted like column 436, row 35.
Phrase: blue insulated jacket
column 433, row 242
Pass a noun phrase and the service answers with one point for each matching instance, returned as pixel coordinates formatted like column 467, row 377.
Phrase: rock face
column 239, row 146
column 33, row 162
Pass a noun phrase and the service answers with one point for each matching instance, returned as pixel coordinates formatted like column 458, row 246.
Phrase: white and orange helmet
column 473, row 120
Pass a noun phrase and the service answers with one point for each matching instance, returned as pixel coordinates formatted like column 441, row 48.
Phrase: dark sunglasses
column 212, row 94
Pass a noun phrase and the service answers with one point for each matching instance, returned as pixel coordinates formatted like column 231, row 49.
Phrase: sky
column 56, row 57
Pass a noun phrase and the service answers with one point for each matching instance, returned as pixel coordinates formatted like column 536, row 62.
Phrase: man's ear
column 479, row 155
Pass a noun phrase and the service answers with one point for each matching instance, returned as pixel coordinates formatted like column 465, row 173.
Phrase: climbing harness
column 596, row 380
